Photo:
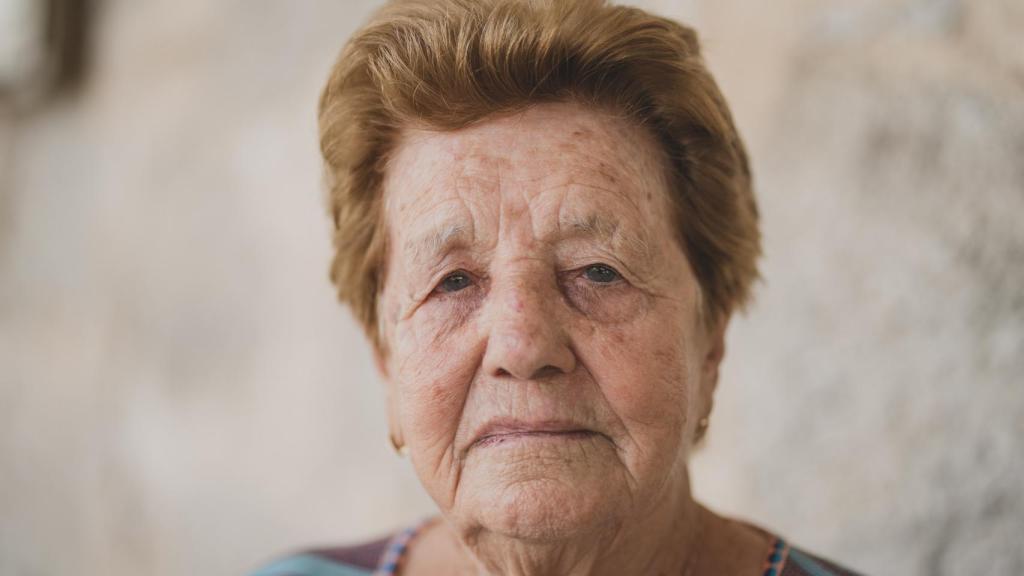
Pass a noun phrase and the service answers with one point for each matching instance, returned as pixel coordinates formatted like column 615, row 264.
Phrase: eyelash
column 468, row 279
column 602, row 268
column 463, row 279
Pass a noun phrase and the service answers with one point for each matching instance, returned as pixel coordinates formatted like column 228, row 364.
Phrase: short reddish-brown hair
column 446, row 64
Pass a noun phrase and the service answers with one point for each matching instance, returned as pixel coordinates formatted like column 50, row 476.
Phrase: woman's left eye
column 601, row 274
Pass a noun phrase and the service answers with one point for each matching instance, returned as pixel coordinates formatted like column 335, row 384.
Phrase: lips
column 506, row 430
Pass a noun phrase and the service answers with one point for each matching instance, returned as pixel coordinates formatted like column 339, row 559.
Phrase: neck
column 660, row 538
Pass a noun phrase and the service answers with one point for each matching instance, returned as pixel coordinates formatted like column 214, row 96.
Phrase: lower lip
column 508, row 437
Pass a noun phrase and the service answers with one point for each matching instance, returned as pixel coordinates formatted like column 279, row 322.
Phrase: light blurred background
column 181, row 394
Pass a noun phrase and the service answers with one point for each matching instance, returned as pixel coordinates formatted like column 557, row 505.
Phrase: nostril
column 547, row 371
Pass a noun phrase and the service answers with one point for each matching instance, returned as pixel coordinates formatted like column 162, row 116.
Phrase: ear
column 380, row 359
column 714, row 352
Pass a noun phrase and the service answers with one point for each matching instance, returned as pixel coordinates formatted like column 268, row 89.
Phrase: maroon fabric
column 366, row 555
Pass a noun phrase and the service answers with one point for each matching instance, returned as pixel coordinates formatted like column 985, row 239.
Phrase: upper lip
column 507, row 426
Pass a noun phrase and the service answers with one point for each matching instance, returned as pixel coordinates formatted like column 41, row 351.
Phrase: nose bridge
column 524, row 297
column 526, row 333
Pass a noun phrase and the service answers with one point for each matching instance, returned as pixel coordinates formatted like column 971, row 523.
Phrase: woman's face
column 545, row 358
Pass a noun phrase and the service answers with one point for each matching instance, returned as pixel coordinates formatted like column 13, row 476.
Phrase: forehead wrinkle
column 612, row 224
column 442, row 199
column 434, row 226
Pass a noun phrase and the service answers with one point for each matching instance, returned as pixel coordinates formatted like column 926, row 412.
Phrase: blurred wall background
column 180, row 393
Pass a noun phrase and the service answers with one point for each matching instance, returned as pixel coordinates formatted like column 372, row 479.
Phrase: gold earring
column 399, row 449
column 702, row 427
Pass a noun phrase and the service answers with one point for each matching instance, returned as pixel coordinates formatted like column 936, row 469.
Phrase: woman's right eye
column 454, row 282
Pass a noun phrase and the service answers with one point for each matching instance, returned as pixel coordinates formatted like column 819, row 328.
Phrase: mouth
column 508, row 431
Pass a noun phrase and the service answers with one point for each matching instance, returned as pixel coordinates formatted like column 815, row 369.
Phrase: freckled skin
column 533, row 332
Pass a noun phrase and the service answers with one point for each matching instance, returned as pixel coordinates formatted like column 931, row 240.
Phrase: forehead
column 557, row 161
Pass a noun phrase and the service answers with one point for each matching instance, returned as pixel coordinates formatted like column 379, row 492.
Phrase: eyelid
column 619, row 276
column 439, row 279
column 580, row 267
column 446, row 276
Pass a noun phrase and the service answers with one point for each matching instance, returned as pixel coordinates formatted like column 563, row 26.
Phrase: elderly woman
column 543, row 220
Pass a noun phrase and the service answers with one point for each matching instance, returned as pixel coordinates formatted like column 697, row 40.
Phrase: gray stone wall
column 179, row 393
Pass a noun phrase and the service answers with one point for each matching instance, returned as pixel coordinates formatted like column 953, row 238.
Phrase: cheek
column 435, row 359
column 645, row 371
column 438, row 321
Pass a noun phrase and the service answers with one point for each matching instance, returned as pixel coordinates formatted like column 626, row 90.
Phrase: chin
column 545, row 499
column 549, row 511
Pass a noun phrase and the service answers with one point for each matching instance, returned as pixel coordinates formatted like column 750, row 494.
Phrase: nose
column 527, row 339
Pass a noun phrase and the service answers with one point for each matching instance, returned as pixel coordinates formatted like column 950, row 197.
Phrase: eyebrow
column 430, row 245
column 608, row 230
column 593, row 225
column 436, row 241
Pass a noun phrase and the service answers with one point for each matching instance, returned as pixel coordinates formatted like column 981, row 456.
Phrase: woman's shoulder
column 363, row 560
column 377, row 557
column 780, row 557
